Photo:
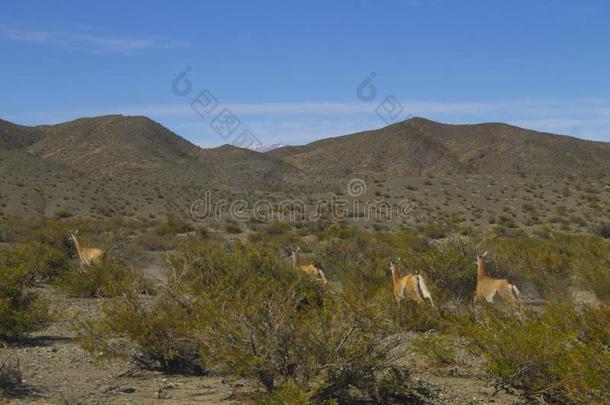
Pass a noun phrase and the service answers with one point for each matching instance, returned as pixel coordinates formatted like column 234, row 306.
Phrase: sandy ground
column 57, row 371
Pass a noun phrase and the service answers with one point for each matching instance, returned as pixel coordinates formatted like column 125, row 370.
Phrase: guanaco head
column 394, row 261
column 481, row 263
column 291, row 251
column 73, row 235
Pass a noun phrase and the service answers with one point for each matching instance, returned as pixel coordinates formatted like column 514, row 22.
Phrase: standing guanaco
column 314, row 270
column 488, row 287
column 87, row 256
column 412, row 286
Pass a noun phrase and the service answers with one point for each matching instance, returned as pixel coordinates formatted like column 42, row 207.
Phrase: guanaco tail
column 411, row 286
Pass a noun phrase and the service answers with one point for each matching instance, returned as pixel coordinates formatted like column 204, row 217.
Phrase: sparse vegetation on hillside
column 218, row 297
column 152, row 173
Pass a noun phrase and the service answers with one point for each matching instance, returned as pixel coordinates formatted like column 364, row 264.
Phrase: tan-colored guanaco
column 313, row 270
column 87, row 256
column 410, row 286
column 488, row 287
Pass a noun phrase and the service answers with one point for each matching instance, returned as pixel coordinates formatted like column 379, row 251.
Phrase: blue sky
column 290, row 70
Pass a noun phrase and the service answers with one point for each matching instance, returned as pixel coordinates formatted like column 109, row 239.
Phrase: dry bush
column 438, row 349
column 561, row 355
column 44, row 262
column 602, row 230
column 156, row 336
column 109, row 278
column 237, row 309
column 21, row 310
column 11, row 379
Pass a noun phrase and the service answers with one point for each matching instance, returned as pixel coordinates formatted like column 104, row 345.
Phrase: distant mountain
column 418, row 146
column 267, row 148
column 13, row 136
column 119, row 164
column 133, row 166
column 112, row 144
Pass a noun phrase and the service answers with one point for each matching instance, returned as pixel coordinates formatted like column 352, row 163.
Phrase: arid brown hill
column 133, row 166
column 124, row 165
column 113, row 144
column 419, row 146
column 13, row 136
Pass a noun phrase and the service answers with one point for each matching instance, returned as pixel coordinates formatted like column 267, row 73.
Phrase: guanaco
column 314, row 270
column 87, row 256
column 412, row 286
column 488, row 287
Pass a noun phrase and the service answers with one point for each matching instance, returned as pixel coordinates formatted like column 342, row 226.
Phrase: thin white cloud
column 541, row 107
column 86, row 41
column 22, row 35
column 294, row 131
column 298, row 122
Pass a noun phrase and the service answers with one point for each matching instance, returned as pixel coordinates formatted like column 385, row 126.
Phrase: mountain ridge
column 122, row 165
column 418, row 145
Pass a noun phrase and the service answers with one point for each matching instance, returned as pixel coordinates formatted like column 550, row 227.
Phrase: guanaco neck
column 395, row 277
column 77, row 244
column 293, row 257
column 481, row 269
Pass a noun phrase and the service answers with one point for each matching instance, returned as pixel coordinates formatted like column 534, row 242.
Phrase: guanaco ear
column 484, row 254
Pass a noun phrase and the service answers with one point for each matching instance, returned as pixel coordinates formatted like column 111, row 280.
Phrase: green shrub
column 172, row 226
column 560, row 355
column 277, row 228
column 602, row 230
column 241, row 310
column 232, row 227
column 106, row 279
column 288, row 393
column 44, row 262
column 435, row 231
column 21, row 310
column 160, row 336
column 152, row 241
column 436, row 348
column 11, row 378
